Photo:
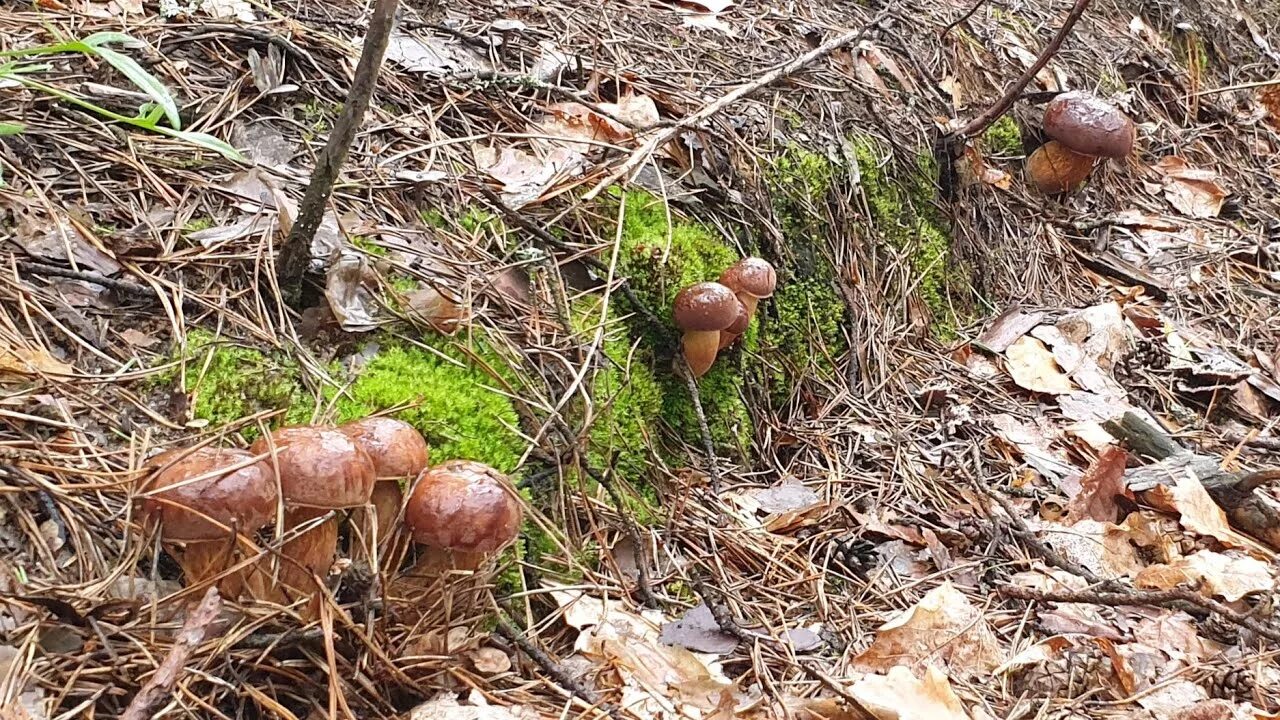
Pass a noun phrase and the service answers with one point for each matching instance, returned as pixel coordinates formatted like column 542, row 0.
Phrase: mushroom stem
column 203, row 561
column 748, row 301
column 700, row 348
column 311, row 553
column 386, row 500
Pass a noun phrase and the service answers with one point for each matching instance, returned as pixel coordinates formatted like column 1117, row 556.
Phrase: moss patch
column 1003, row 137
column 905, row 218
column 228, row 382
column 444, row 396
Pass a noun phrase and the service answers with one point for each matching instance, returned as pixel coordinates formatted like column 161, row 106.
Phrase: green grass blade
column 144, row 80
column 10, row 128
column 102, row 38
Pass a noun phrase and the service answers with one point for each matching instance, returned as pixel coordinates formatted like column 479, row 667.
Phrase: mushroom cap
column 705, row 306
column 242, row 498
column 396, row 448
column 752, row 275
column 1089, row 125
column 1054, row 168
column 319, row 467
column 740, row 323
column 464, row 506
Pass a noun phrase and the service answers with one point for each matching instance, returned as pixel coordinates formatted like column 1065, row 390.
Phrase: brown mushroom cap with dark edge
column 463, row 506
column 319, row 467
column 702, row 311
column 734, row 331
column 1089, row 125
column 751, row 276
column 230, row 490
column 396, row 447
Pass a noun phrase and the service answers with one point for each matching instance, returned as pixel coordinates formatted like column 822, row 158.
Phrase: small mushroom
column 1054, row 168
column 461, row 512
column 752, row 279
column 320, row 470
column 702, row 311
column 202, row 499
column 740, row 324
column 399, row 453
column 1089, row 125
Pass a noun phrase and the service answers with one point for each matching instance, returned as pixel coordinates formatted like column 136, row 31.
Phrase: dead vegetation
column 1022, row 469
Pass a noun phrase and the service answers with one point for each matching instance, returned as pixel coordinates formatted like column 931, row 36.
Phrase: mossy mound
column 1003, row 137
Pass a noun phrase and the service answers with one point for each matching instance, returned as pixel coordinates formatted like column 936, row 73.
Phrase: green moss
column 368, row 246
column 228, row 382
column 1191, row 52
column 444, row 396
column 431, row 218
column 196, row 224
column 904, row 216
column 1003, row 137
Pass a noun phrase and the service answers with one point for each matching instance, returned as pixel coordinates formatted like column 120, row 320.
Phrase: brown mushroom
column 740, row 324
column 461, row 512
column 320, row 470
column 1089, row 125
column 701, row 311
column 204, row 499
column 752, row 279
column 1053, row 168
column 399, row 453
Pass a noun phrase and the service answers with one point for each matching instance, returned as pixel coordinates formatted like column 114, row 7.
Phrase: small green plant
column 162, row 105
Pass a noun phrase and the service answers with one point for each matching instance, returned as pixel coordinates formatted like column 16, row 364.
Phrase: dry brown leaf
column 1169, row 700
column 1101, row 484
column 1175, row 634
column 944, row 626
column 490, row 660
column 446, row 706
column 1269, row 98
column 1230, row 577
column 1104, row 548
column 25, row 361
column 1192, row 191
column 900, row 695
column 1033, row 367
column 1198, row 512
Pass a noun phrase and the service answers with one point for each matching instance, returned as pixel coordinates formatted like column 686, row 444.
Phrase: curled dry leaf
column 901, row 695
column 1230, row 577
column 698, row 631
column 349, row 298
column 1175, row 634
column 1033, row 367
column 490, row 660
column 943, row 626
column 432, row 307
column 1193, row 191
column 1101, row 484
column 27, row 361
column 1198, row 512
column 1168, row 700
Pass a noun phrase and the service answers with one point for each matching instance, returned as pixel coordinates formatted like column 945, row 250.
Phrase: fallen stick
column 160, row 684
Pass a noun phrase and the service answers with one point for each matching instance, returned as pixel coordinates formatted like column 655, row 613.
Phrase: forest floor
column 984, row 454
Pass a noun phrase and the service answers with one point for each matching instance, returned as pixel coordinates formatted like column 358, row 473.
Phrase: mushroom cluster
column 713, row 315
column 210, row 504
column 1081, row 128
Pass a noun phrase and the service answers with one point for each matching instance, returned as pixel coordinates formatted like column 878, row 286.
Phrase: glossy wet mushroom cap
column 463, row 506
column 1053, row 168
column 1090, row 125
column 191, row 492
column 319, row 467
column 739, row 326
column 396, row 448
column 701, row 311
column 753, row 277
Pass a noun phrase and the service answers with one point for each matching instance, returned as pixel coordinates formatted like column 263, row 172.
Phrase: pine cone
column 854, row 556
column 1231, row 683
column 1075, row 672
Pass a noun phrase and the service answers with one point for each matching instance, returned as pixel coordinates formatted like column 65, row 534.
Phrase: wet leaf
column 1228, row 576
column 1192, row 191
column 59, row 239
column 350, row 299
column 1033, row 367
column 901, row 695
column 430, row 306
column 698, row 631
column 786, row 496
column 943, row 627
column 524, row 177
column 1101, row 484
column 490, row 660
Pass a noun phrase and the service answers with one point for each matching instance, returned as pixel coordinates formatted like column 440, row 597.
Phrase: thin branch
column 981, row 122
column 295, row 254
column 553, row 669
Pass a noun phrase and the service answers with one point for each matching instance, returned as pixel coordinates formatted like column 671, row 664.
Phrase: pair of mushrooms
column 713, row 315
column 1082, row 129
column 209, row 500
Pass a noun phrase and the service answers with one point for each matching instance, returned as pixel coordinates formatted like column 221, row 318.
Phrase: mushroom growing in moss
column 1082, row 128
column 461, row 512
column 702, row 311
column 320, row 470
column 752, row 279
column 399, row 453
column 202, row 499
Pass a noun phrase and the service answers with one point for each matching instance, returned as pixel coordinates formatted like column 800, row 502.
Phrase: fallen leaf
column 1101, row 484
column 1230, row 577
column 59, row 239
column 434, row 55
column 490, row 660
column 1199, row 513
column 1192, row 191
column 524, row 177
column 446, row 706
column 900, row 695
column 351, row 301
column 698, row 631
column 1174, row 632
column 239, row 9
column 430, row 306
column 786, row 496
column 137, row 338
column 1103, row 548
column 26, row 361
column 1033, row 367
column 944, row 626
column 804, row 639
column 1167, row 700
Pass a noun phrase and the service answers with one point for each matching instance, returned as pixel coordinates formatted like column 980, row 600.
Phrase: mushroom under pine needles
column 1081, row 128
column 320, row 470
column 459, row 513
column 204, row 500
column 399, row 454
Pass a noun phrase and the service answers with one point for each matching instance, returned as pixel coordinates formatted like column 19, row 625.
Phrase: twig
column 642, row 562
column 166, row 676
column 553, row 669
column 1158, row 598
column 968, row 14
column 708, row 444
column 642, row 153
column 1266, row 443
column 295, row 254
column 981, row 122
column 124, row 286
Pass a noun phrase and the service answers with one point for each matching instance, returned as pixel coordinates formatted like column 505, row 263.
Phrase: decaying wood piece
column 1248, row 511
